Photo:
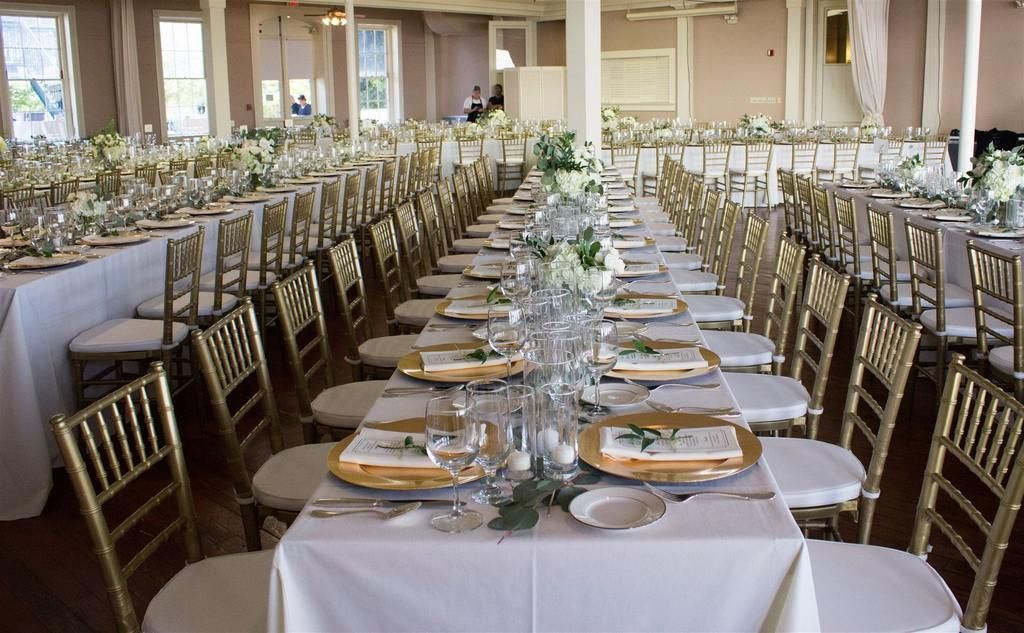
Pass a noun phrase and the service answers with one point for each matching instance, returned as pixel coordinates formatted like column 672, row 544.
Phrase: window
column 38, row 90
column 183, row 74
column 837, row 37
column 378, row 88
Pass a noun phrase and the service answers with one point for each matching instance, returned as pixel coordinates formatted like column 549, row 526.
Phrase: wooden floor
column 49, row 580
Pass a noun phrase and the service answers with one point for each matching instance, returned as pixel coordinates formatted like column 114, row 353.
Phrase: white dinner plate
column 616, row 395
column 617, row 508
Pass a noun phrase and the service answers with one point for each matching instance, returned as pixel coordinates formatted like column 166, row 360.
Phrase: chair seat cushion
column 490, row 218
column 960, row 323
column 956, row 297
column 712, row 308
column 345, row 406
column 683, row 261
column 1001, row 359
column 154, row 308
column 126, row 335
column 385, row 351
column 740, row 349
column 288, row 478
column 670, row 243
column 502, row 201
column 438, row 285
column 216, row 594
column 750, row 173
column 873, row 589
column 469, row 244
column 661, row 228
column 765, row 398
column 287, row 260
column 694, row 280
column 866, row 271
column 252, row 280
column 416, row 312
column 812, row 473
column 312, row 244
column 455, row 263
column 481, row 230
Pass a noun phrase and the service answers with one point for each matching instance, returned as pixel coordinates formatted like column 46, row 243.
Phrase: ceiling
column 536, row 9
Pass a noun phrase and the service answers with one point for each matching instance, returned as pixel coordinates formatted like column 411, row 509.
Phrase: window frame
column 393, row 39
column 68, row 38
column 180, row 16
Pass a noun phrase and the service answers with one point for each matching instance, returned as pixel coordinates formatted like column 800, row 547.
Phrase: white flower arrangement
column 86, row 204
column 495, row 119
column 253, row 156
column 3, row 146
column 758, row 125
column 1000, row 172
column 323, row 124
column 471, row 130
column 109, row 147
column 610, row 118
column 911, row 168
column 568, row 169
column 572, row 260
column 627, row 122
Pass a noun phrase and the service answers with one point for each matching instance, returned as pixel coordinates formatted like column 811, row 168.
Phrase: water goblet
column 452, row 442
column 600, row 351
column 487, row 407
column 506, row 333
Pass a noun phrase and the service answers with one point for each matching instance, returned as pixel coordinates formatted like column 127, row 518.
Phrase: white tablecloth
column 711, row 565
column 39, row 316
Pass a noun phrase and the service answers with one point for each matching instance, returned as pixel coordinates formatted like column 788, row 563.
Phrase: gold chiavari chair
column 431, row 158
column 470, row 150
column 233, row 239
column 371, row 187
column 476, row 206
column 945, row 310
column 714, row 312
column 415, row 248
column 337, row 407
column 108, row 183
column 433, row 284
column 888, row 274
column 59, row 191
column 117, row 344
column 485, row 189
column 128, row 436
column 712, row 277
column 977, row 441
column 402, row 191
column 306, row 136
column 715, row 164
column 753, row 176
column 297, row 240
column 997, row 283
column 165, row 177
column 820, row 480
column 765, row 352
column 805, row 208
column 202, row 166
column 324, row 232
column 666, row 179
column 364, row 353
column 512, row 166
column 234, row 367
column 677, row 185
column 776, row 403
column 223, row 159
column 826, row 233
column 451, row 220
column 387, row 187
column 624, row 157
column 178, row 164
column 891, row 152
column 804, row 158
column 851, row 251
column 935, row 148
column 845, row 158
column 348, row 223
column 13, row 198
column 402, row 312
column 791, row 212
column 663, row 152
column 700, row 235
column 467, row 209
column 271, row 260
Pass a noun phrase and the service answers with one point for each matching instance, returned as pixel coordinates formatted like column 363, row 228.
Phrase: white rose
column 613, row 261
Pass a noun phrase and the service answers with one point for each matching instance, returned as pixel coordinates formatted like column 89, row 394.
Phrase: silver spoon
column 383, row 514
column 677, row 497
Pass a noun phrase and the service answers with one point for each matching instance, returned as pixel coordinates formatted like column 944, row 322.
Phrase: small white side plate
column 617, row 508
column 616, row 394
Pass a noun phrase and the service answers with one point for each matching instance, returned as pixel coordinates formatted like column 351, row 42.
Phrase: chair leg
column 251, row 526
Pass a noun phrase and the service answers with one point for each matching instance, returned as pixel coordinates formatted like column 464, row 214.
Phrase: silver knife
column 377, row 503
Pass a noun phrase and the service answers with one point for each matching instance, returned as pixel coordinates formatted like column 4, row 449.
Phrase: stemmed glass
column 487, row 406
column 600, row 350
column 452, row 441
column 515, row 279
column 506, row 333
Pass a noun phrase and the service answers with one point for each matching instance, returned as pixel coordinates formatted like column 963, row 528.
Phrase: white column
column 583, row 72
column 934, row 45
column 684, row 65
column 969, row 99
column 216, row 43
column 794, row 59
column 352, row 69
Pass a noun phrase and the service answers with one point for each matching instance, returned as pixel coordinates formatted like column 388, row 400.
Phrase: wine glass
column 515, row 279
column 506, row 333
column 452, row 442
column 487, row 406
column 600, row 350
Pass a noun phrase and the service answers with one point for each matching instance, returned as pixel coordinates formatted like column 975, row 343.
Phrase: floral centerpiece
column 87, row 209
column 999, row 172
column 109, row 147
column 759, row 125
column 3, row 146
column 469, row 130
column 610, row 118
column 495, row 119
column 323, row 124
column 568, row 170
column 569, row 263
column 253, row 157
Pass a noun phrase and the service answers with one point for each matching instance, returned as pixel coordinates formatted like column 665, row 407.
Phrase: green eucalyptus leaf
column 565, row 496
column 647, row 441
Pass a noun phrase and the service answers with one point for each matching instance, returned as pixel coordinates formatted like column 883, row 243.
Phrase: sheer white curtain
column 126, row 66
column 869, row 43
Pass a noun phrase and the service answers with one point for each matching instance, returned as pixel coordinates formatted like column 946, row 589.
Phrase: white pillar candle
column 519, row 461
column 563, row 454
column 547, row 439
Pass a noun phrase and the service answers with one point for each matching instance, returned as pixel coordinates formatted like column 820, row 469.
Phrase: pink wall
column 619, row 34
column 460, row 63
column 1000, row 71
column 551, row 43
column 236, row 17
column 731, row 65
column 904, row 86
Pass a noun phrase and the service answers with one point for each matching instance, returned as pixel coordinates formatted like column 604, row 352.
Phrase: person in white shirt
column 473, row 106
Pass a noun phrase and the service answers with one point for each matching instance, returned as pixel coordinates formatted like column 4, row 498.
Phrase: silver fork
column 680, row 385
column 683, row 497
column 718, row 411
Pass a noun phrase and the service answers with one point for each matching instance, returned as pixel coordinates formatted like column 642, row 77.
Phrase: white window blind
column 639, row 79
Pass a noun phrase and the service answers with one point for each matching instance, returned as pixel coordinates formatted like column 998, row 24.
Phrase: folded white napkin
column 477, row 306
column 629, row 243
column 374, row 447
column 667, row 360
column 714, row 442
column 619, row 224
column 641, row 307
column 642, row 268
column 454, row 360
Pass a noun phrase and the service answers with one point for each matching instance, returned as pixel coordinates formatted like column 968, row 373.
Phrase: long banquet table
column 712, row 564
column 40, row 313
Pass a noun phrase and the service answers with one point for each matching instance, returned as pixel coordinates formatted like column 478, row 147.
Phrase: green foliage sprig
column 639, row 347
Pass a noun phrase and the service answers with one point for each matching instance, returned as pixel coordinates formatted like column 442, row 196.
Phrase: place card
column 678, row 359
column 700, row 444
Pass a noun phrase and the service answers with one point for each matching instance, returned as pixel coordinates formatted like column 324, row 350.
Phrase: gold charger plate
column 478, row 272
column 39, row 263
column 442, row 309
column 662, row 269
column 383, row 478
column 412, row 366
column 668, row 472
column 672, row 374
column 277, row 189
column 679, row 309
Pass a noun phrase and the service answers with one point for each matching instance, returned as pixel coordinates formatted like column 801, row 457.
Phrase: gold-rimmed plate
column 612, row 313
column 251, row 199
column 31, row 262
column 443, row 309
column 412, row 366
column 386, row 478
column 277, row 189
column 630, row 274
column 483, row 271
column 712, row 359
column 664, row 471
column 116, row 239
